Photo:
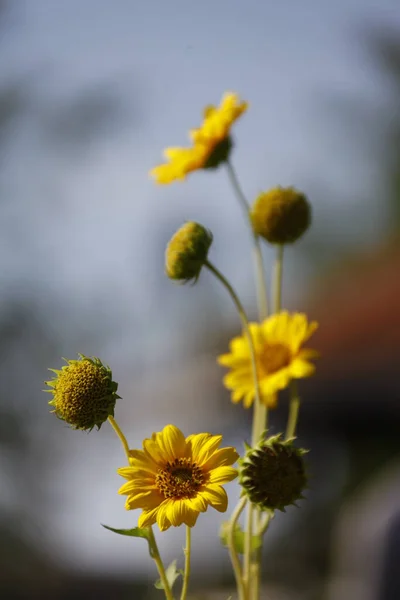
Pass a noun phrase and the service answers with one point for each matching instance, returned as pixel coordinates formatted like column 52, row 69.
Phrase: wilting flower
column 187, row 252
column 272, row 474
column 84, row 393
column 280, row 357
column 211, row 142
column 173, row 479
column 281, row 215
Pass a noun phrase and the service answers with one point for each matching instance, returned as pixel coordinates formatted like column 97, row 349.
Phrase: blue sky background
column 86, row 228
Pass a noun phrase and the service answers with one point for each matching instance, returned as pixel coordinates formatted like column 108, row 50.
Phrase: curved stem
column 248, row 554
column 258, row 258
column 259, row 412
column 155, row 554
column 119, row 433
column 264, row 523
column 278, row 278
column 245, row 324
column 186, row 575
column 232, row 549
column 294, row 407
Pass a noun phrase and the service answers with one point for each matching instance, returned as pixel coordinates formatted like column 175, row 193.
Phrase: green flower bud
column 84, row 393
column 187, row 252
column 281, row 215
column 272, row 474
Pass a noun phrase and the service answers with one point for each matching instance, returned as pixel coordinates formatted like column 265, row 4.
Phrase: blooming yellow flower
column 280, row 357
column 173, row 479
column 211, row 142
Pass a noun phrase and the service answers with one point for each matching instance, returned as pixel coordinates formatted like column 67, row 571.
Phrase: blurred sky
column 87, row 228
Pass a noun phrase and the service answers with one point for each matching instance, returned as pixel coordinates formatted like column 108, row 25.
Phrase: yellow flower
column 211, row 142
column 173, row 479
column 280, row 357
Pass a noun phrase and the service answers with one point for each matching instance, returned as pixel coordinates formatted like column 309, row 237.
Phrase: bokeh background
column 90, row 94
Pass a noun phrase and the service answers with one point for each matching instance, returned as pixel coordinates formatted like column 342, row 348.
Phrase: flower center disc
column 180, row 478
column 273, row 357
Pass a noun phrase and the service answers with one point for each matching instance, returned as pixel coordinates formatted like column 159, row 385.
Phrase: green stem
column 186, row 575
column 259, row 409
column 278, row 278
column 155, row 554
column 119, row 433
column 245, row 325
column 248, row 553
column 237, row 570
column 258, row 257
column 294, row 407
column 260, row 415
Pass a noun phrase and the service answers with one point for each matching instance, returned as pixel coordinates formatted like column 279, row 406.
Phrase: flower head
column 211, row 142
column 174, row 478
column 84, row 393
column 280, row 357
column 281, row 216
column 187, row 252
column 272, row 474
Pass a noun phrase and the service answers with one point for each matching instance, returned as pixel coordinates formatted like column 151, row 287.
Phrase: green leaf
column 135, row 532
column 172, row 574
column 238, row 537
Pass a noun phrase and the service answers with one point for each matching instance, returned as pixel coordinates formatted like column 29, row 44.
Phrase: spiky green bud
column 281, row 215
column 272, row 474
column 187, row 252
column 84, row 393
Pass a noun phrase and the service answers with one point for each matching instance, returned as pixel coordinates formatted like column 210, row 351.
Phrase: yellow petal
column 221, row 458
column 154, row 452
column 223, row 474
column 301, row 368
column 148, row 517
column 249, row 398
column 275, row 382
column 176, row 153
column 203, row 447
column 269, row 400
column 216, row 497
column 198, row 503
column 196, row 441
column 163, row 521
column 142, row 500
column 308, row 354
column 275, row 327
column 172, row 443
column 126, row 472
column 180, row 511
column 136, row 486
column 237, row 395
column 209, row 110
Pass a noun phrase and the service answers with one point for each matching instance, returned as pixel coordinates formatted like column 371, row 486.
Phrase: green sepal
column 172, row 574
column 139, row 532
column 238, row 538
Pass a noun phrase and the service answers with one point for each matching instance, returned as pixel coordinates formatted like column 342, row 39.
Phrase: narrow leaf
column 172, row 574
column 238, row 538
column 134, row 532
